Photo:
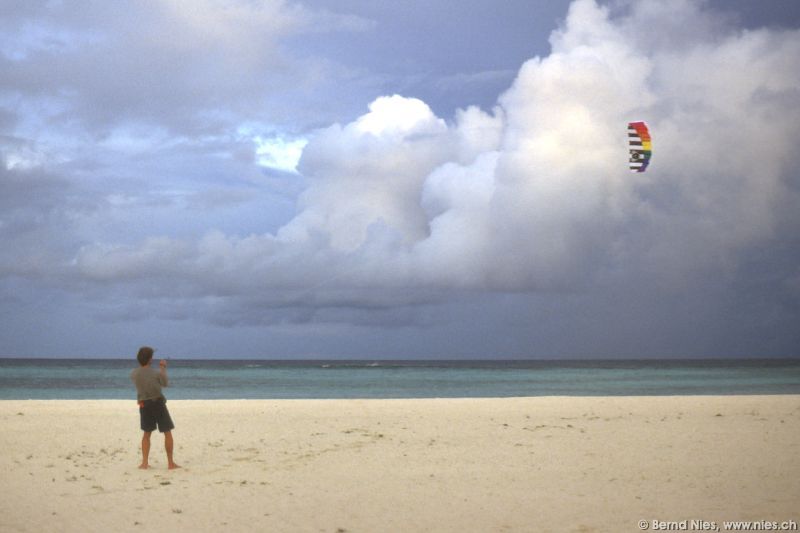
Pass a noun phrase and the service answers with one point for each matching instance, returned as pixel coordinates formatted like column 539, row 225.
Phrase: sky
column 437, row 179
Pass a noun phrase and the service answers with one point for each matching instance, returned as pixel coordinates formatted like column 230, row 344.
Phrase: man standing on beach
column 152, row 404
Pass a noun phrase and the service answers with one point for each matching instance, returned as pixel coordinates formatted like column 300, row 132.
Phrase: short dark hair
column 144, row 355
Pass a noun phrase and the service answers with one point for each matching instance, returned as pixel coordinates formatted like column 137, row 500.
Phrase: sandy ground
column 523, row 464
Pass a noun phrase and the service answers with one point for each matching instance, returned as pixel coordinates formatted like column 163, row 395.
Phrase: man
column 152, row 404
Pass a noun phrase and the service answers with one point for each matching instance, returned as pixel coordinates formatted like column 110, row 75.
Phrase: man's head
column 145, row 355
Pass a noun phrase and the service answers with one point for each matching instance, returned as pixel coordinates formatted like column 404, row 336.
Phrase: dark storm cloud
column 37, row 211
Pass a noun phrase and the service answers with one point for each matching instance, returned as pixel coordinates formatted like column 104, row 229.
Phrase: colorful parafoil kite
column 640, row 146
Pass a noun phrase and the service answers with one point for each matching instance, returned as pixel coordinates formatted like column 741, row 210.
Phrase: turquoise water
column 207, row 379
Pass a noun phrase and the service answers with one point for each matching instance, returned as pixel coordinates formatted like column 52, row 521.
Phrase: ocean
column 270, row 379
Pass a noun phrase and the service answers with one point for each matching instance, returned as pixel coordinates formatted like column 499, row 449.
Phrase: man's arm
column 162, row 374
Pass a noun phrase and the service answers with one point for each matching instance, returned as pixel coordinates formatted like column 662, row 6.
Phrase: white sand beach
column 521, row 464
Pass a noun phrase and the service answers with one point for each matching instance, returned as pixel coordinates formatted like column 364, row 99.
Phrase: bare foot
column 173, row 466
column 144, row 466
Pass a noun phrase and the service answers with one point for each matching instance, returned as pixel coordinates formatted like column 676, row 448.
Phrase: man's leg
column 168, row 445
column 145, row 450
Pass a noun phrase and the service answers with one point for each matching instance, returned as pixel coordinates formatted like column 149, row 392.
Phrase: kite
column 640, row 146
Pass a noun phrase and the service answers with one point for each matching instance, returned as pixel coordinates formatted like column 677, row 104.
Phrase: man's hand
column 163, row 364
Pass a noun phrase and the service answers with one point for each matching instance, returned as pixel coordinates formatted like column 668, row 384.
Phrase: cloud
column 189, row 67
column 134, row 117
column 402, row 207
column 38, row 210
column 279, row 153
